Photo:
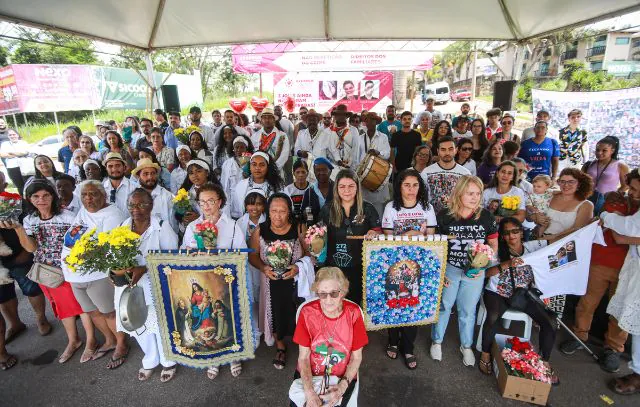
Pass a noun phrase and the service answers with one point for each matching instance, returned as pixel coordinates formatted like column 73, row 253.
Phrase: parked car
column 460, row 95
column 50, row 146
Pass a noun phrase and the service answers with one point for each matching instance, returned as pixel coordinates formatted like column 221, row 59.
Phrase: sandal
column 236, row 369
column 100, row 353
column 144, row 374
column 9, row 363
column 555, row 380
column 626, row 385
column 68, row 354
column 486, row 367
column 168, row 373
column 88, row 354
column 115, row 363
column 409, row 360
column 212, row 372
column 14, row 333
column 392, row 351
column 281, row 359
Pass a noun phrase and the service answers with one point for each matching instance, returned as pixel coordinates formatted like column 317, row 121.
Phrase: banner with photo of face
column 323, row 91
column 606, row 113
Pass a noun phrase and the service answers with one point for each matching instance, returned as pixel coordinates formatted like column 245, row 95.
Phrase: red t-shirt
column 346, row 331
column 613, row 254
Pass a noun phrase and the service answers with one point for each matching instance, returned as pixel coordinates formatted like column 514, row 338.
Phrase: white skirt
column 625, row 304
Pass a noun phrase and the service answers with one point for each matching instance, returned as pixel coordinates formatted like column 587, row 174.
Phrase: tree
column 65, row 49
column 226, row 79
column 4, row 56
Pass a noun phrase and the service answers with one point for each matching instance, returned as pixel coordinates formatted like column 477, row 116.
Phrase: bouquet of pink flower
column 278, row 254
column 479, row 255
column 206, row 235
column 522, row 361
column 316, row 239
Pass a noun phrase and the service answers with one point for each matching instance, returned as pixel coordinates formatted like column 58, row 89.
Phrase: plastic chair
column 507, row 317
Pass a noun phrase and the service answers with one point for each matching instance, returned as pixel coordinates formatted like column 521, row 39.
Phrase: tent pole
column 24, row 117
column 155, row 103
column 15, row 122
column 260, row 84
column 55, row 118
column 413, row 89
column 473, row 77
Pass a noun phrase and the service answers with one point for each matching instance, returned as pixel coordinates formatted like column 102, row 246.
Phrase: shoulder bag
column 48, row 276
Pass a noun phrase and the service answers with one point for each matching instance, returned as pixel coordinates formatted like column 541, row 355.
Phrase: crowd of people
column 268, row 180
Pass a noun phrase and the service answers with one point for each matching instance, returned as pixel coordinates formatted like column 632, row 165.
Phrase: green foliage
column 4, row 56
column 523, row 91
column 554, row 84
column 71, row 49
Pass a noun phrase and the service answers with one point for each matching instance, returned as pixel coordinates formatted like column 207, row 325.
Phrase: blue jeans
column 465, row 293
column 635, row 354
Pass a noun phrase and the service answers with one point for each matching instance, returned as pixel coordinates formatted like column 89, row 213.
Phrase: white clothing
column 561, row 221
column 157, row 237
column 379, row 142
column 471, row 166
column 163, row 206
column 18, row 147
column 288, row 128
column 319, row 146
column 122, row 192
column 457, row 136
column 208, row 135
column 230, row 235
column 440, row 183
column 178, row 175
column 151, row 345
column 343, row 150
column 230, row 177
column 408, row 219
column 273, row 148
column 625, row 304
column 241, row 191
column 74, row 206
column 529, row 247
column 104, row 220
column 205, row 155
column 216, row 163
column 436, row 116
column 491, row 194
column 216, row 135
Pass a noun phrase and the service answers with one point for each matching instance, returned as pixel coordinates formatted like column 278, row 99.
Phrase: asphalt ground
column 39, row 380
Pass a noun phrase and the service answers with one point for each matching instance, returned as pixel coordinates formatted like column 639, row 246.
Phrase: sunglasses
column 510, row 232
column 466, row 149
column 333, row 294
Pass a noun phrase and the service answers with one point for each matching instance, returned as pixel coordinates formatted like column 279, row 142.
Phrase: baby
column 538, row 201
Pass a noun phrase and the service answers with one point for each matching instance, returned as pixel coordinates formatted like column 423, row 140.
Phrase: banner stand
column 55, row 118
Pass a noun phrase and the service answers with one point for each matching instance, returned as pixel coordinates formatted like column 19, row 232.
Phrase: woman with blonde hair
column 465, row 221
column 331, row 334
column 348, row 215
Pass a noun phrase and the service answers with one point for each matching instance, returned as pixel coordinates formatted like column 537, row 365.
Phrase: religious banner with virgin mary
column 203, row 307
column 403, row 280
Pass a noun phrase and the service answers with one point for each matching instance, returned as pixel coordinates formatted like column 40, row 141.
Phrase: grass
column 37, row 131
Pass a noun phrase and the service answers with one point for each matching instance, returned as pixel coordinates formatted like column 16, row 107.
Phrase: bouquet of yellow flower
column 182, row 134
column 181, row 202
column 508, row 205
column 105, row 251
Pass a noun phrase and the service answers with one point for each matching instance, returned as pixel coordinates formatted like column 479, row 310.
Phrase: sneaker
column 610, row 361
column 570, row 346
column 468, row 358
column 436, row 352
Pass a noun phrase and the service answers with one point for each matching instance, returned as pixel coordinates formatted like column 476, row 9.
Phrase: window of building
column 622, row 41
column 596, row 66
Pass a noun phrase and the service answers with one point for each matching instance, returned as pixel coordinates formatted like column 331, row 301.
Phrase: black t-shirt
column 465, row 231
column 406, row 144
column 143, row 143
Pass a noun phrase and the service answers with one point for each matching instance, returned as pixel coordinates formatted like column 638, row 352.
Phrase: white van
column 438, row 90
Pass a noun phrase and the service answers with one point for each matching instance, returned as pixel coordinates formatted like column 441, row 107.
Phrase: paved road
column 38, row 380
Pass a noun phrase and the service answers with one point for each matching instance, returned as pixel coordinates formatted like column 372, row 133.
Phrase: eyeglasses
column 567, row 182
column 423, row 155
column 466, row 149
column 333, row 294
column 510, row 232
column 208, row 202
column 139, row 206
column 507, row 122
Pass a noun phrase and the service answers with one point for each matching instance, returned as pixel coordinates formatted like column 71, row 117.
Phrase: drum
column 374, row 172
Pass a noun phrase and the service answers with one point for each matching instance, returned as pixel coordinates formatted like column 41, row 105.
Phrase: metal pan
column 133, row 309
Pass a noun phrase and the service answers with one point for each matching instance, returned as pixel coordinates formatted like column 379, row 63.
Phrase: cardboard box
column 516, row 388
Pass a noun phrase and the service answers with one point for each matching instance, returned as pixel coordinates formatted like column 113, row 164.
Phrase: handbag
column 520, row 298
column 48, row 276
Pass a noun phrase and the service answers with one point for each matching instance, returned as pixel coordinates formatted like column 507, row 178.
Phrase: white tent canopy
column 156, row 24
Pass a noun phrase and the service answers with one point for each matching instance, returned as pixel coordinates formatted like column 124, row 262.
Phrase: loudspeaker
column 503, row 94
column 170, row 98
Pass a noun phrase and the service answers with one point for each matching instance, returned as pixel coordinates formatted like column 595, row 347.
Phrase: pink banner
column 8, row 92
column 323, row 91
column 49, row 88
column 314, row 57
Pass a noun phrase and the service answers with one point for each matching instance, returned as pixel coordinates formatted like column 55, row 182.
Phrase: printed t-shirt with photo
column 407, row 219
column 465, row 232
column 49, row 234
column 440, row 183
column 491, row 194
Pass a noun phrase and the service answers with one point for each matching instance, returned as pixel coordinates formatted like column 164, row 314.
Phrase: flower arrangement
column 509, row 205
column 181, row 202
column 10, row 206
column 206, row 235
column 104, row 252
column 479, row 256
column 182, row 134
column 278, row 254
column 316, row 238
column 522, row 361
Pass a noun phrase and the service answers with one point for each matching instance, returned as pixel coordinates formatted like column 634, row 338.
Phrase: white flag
column 563, row 267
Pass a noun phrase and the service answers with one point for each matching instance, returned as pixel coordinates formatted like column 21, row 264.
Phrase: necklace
column 333, row 331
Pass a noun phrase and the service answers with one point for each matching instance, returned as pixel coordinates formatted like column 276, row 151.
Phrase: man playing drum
column 373, row 144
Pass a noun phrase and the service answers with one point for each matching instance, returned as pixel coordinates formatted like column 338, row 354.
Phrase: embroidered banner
column 203, row 308
column 402, row 282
